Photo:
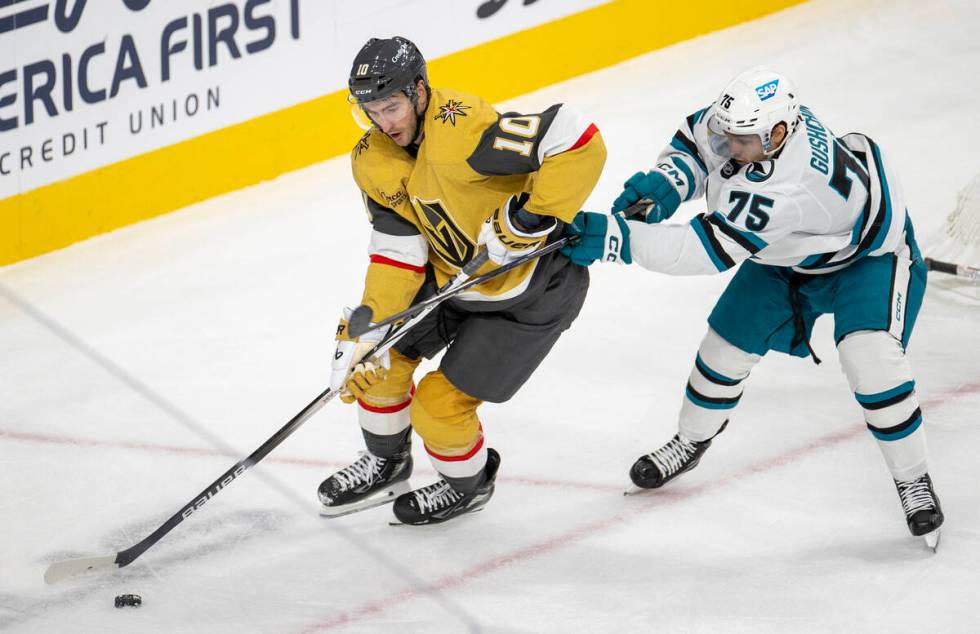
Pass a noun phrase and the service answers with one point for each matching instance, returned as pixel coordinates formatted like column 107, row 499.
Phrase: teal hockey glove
column 598, row 239
column 653, row 186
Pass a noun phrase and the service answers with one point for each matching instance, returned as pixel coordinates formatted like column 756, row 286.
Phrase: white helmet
column 753, row 103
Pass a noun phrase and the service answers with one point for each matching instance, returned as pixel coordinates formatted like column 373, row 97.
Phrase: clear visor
column 361, row 118
column 717, row 138
column 721, row 141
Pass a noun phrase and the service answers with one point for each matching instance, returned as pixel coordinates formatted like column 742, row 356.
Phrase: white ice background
column 139, row 365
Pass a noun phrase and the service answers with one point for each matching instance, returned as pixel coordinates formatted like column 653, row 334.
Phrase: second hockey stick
column 971, row 273
column 360, row 320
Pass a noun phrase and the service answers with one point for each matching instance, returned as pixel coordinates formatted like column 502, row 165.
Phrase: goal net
column 959, row 243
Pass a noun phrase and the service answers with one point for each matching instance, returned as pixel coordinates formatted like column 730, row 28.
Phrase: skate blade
column 395, row 522
column 932, row 539
column 387, row 496
column 635, row 490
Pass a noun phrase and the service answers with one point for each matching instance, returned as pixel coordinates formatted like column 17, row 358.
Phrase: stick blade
column 360, row 321
column 61, row 570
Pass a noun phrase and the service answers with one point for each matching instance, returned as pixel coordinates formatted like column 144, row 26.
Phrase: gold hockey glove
column 350, row 372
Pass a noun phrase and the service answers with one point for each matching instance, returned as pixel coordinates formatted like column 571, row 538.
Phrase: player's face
column 395, row 115
column 745, row 148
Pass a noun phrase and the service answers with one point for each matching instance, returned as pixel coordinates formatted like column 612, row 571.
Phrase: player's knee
column 873, row 361
column 397, row 385
column 383, row 409
column 444, row 416
column 718, row 357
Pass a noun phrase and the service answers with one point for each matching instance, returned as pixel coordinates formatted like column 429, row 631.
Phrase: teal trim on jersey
column 677, row 145
column 708, row 404
column 871, row 399
column 682, row 166
column 811, row 259
column 754, row 313
column 706, row 243
column 756, row 241
column 899, row 434
column 886, row 224
column 699, row 114
column 856, row 231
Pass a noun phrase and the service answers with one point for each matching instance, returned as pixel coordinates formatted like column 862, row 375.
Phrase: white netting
column 959, row 243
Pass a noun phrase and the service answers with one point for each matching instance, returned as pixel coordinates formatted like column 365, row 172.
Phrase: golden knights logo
column 450, row 111
column 448, row 240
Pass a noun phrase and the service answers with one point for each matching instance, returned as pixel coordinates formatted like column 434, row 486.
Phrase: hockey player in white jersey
column 820, row 226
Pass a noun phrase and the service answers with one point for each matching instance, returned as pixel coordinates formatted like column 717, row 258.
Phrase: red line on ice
column 453, row 580
column 304, row 462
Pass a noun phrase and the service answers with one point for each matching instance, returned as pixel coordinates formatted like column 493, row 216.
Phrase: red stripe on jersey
column 380, row 259
column 390, row 409
column 469, row 454
column 586, row 136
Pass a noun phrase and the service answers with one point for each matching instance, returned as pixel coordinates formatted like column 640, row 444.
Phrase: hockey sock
column 714, row 387
column 881, row 379
column 388, row 445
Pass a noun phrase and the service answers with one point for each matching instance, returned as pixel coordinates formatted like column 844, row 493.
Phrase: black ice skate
column 370, row 481
column 681, row 454
column 922, row 511
column 439, row 502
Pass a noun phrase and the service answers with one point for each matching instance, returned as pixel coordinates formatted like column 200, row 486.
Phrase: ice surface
column 141, row 364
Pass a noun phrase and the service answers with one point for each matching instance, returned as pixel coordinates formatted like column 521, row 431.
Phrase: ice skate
column 659, row 467
column 439, row 502
column 370, row 481
column 922, row 511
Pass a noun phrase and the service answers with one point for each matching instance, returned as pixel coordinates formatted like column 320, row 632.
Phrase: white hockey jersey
column 818, row 205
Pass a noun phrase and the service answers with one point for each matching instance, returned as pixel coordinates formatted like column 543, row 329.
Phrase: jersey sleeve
column 561, row 146
column 683, row 162
column 717, row 240
column 398, row 253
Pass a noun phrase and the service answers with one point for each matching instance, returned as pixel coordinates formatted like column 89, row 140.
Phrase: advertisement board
column 84, row 84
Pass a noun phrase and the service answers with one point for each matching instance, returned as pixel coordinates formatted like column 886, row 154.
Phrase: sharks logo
column 450, row 111
column 445, row 236
column 760, row 171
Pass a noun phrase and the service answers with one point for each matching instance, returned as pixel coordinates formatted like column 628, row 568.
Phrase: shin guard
column 714, row 387
column 881, row 379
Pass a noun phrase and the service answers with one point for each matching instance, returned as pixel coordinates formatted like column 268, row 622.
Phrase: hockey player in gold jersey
column 444, row 175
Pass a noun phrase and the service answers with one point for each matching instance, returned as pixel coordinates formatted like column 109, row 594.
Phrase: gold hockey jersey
column 428, row 209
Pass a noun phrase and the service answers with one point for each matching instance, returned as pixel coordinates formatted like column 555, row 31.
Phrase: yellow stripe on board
column 57, row 215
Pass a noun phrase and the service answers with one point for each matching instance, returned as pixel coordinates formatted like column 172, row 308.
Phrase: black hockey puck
column 129, row 600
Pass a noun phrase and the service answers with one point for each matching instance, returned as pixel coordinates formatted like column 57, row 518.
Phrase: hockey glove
column 512, row 231
column 599, row 239
column 350, row 372
column 654, row 186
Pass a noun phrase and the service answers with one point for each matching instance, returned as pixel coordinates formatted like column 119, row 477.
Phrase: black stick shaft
column 942, row 267
column 460, row 282
column 971, row 273
column 127, row 556
column 454, row 287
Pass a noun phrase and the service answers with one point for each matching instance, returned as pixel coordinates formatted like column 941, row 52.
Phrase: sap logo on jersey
column 768, row 90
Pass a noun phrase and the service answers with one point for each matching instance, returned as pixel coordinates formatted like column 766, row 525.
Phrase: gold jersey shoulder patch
column 381, row 170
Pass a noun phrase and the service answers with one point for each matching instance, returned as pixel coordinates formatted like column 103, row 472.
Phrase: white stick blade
column 60, row 570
